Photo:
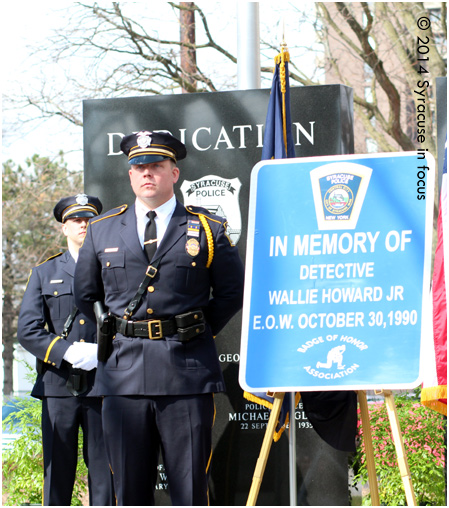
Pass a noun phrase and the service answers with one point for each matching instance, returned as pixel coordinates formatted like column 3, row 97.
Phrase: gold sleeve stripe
column 50, row 347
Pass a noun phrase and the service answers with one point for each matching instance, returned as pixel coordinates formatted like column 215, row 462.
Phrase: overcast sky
column 28, row 24
column 24, row 25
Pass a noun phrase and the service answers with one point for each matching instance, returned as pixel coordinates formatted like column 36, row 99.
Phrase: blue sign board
column 337, row 272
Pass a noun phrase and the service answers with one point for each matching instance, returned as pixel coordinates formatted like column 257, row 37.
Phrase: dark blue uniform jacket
column 111, row 266
column 47, row 303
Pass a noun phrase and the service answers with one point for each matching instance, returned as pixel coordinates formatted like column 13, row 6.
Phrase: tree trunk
column 8, row 344
column 188, row 52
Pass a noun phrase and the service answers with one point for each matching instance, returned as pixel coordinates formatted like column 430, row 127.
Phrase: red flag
column 434, row 388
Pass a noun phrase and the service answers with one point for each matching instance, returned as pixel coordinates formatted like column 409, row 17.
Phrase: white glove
column 74, row 353
column 82, row 355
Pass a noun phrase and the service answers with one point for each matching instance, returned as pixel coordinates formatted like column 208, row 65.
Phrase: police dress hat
column 80, row 205
column 145, row 147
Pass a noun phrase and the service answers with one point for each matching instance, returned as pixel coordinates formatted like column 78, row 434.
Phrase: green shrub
column 423, row 432
column 23, row 464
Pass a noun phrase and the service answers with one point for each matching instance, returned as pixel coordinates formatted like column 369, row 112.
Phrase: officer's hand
column 89, row 359
column 82, row 355
column 74, row 353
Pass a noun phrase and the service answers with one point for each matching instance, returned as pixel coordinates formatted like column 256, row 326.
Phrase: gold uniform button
column 82, row 340
column 151, row 289
column 193, row 263
column 82, row 322
column 108, row 263
column 55, row 293
column 150, row 311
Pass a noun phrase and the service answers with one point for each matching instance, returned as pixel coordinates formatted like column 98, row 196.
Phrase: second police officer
column 64, row 342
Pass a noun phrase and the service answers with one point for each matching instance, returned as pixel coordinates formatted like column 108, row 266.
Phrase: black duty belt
column 185, row 326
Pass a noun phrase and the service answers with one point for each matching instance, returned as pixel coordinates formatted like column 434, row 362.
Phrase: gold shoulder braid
column 210, row 239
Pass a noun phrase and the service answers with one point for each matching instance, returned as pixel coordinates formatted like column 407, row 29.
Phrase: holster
column 105, row 332
column 77, row 382
column 40, row 366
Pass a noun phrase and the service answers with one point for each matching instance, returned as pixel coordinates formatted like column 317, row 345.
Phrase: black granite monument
column 223, row 133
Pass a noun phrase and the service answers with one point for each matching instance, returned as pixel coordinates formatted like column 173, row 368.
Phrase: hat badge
column 144, row 139
column 81, row 199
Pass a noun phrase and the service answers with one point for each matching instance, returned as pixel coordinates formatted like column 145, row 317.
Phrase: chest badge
column 193, row 247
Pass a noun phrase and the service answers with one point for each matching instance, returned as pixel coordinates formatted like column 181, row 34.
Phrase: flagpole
column 248, row 77
column 248, row 45
column 292, row 451
column 292, row 427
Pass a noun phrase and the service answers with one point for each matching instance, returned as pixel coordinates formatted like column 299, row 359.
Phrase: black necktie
column 150, row 239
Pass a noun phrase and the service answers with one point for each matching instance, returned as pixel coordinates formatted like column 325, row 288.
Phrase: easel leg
column 265, row 450
column 369, row 450
column 400, row 450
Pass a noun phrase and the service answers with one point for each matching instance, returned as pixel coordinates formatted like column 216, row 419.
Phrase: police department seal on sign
column 339, row 189
column 338, row 199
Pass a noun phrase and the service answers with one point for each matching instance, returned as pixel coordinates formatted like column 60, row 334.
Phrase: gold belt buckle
column 157, row 334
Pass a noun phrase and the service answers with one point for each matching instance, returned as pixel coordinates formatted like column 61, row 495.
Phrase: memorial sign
column 337, row 272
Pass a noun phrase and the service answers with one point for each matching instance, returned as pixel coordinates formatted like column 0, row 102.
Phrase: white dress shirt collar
column 163, row 215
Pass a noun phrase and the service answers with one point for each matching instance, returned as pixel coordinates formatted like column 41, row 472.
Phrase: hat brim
column 147, row 159
column 76, row 215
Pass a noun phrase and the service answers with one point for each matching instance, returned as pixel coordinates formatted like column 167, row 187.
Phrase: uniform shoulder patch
column 226, row 232
column 198, row 210
column 111, row 213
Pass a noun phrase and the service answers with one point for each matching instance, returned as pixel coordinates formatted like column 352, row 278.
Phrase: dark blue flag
column 278, row 144
column 278, row 139
column 333, row 414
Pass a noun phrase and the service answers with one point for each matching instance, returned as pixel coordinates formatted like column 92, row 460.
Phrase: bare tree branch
column 120, row 55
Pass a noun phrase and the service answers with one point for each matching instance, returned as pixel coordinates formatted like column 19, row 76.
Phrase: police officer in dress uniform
column 159, row 379
column 64, row 343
